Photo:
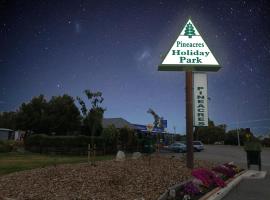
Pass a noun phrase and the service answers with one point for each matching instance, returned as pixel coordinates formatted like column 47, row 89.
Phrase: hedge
column 5, row 146
column 41, row 143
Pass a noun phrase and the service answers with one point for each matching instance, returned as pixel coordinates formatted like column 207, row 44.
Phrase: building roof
column 117, row 122
column 5, row 129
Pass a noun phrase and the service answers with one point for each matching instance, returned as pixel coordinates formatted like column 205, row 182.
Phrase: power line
column 248, row 121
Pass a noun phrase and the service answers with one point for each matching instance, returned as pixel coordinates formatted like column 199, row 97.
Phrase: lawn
column 13, row 162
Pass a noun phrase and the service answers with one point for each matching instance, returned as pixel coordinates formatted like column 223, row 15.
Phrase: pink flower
column 227, row 171
column 208, row 177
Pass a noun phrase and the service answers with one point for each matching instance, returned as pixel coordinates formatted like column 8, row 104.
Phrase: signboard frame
column 200, row 88
column 188, row 67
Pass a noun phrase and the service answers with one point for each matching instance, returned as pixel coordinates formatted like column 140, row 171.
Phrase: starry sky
column 114, row 46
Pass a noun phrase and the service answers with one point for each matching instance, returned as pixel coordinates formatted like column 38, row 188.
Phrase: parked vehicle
column 177, row 147
column 198, row 146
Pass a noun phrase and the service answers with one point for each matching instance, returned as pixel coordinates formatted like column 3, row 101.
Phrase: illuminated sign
column 189, row 52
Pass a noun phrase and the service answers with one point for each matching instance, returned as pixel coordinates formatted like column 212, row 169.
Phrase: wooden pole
column 189, row 119
column 89, row 149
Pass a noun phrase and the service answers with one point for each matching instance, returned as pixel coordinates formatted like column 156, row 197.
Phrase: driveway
column 247, row 189
column 222, row 153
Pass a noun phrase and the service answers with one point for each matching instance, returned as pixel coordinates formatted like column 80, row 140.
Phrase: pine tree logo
column 189, row 30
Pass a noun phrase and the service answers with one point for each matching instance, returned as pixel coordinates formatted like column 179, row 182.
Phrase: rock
column 136, row 155
column 20, row 150
column 120, row 156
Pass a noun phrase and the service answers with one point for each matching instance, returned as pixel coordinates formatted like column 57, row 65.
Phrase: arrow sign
column 189, row 53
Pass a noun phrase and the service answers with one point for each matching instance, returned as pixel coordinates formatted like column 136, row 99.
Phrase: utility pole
column 238, row 137
column 174, row 128
column 237, row 129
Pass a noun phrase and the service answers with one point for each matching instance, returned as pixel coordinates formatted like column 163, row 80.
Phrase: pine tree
column 189, row 30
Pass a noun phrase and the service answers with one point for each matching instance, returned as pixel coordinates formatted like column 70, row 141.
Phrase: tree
column 64, row 117
column 231, row 137
column 128, row 139
column 111, row 138
column 211, row 133
column 178, row 137
column 189, row 31
column 94, row 115
column 158, row 121
column 33, row 116
column 60, row 115
column 8, row 120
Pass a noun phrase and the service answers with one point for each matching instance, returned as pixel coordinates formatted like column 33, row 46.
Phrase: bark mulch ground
column 108, row 180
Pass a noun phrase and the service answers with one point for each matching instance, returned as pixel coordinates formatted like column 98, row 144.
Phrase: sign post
column 189, row 119
column 191, row 54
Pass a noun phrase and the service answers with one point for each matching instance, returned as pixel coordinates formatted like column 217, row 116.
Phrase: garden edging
column 217, row 193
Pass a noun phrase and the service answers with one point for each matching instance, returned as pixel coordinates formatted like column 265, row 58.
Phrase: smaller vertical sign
column 200, row 108
column 164, row 123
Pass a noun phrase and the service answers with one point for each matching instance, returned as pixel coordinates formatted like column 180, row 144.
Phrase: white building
column 6, row 134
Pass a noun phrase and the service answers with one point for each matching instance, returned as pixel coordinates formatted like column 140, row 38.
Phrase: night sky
column 56, row 47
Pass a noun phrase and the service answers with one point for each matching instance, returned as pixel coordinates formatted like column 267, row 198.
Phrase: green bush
column 5, row 146
column 128, row 139
column 266, row 142
column 110, row 136
column 253, row 146
column 46, row 144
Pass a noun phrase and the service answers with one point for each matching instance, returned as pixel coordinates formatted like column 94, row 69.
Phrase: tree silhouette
column 189, row 30
column 59, row 115
column 63, row 116
column 94, row 115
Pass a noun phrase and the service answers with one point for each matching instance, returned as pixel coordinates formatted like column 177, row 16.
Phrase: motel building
column 165, row 137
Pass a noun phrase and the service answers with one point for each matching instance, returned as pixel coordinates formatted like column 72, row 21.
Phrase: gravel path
column 109, row 180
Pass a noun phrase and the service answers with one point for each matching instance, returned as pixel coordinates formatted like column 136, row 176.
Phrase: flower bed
column 132, row 179
column 204, row 181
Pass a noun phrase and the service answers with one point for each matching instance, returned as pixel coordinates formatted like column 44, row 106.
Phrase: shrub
column 253, row 146
column 45, row 144
column 5, row 146
column 128, row 139
column 266, row 142
column 110, row 136
column 233, row 167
